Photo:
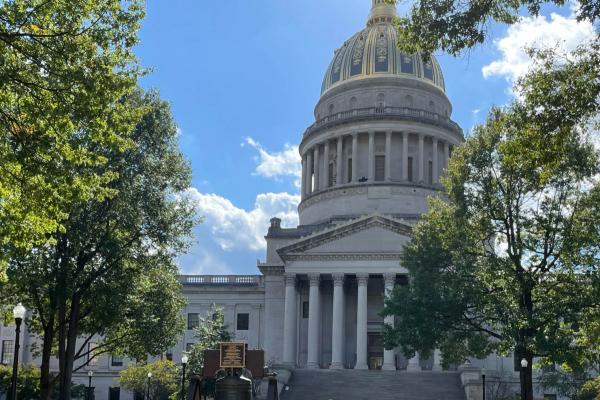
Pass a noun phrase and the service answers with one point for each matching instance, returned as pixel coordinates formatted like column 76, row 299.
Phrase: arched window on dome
column 431, row 106
column 380, row 103
column 408, row 100
column 331, row 109
column 353, row 102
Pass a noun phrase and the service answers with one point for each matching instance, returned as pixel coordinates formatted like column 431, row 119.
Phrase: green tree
column 508, row 260
column 163, row 383
column 453, row 26
column 211, row 331
column 111, row 272
column 28, row 383
column 65, row 67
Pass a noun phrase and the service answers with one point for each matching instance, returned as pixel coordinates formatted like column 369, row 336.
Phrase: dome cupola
column 373, row 53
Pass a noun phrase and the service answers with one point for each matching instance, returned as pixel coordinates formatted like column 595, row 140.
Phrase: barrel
column 233, row 388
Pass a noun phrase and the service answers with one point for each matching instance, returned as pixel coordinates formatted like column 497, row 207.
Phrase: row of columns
column 310, row 161
column 314, row 312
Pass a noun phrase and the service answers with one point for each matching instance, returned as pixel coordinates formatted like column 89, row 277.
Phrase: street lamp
column 483, row 371
column 148, row 385
column 184, row 361
column 523, row 376
column 89, row 391
column 19, row 313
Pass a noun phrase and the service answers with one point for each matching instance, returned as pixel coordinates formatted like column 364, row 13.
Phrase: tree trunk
column 526, row 379
column 69, row 357
column 45, row 377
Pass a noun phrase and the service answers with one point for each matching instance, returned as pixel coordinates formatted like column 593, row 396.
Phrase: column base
column 414, row 368
column 362, row 366
column 336, row 366
column 288, row 364
column 312, row 365
column 388, row 367
column 437, row 368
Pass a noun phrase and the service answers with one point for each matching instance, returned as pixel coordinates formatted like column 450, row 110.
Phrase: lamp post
column 89, row 391
column 148, row 385
column 483, row 371
column 523, row 374
column 184, row 361
column 19, row 313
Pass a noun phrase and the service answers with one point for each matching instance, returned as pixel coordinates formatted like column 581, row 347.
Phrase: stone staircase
column 373, row 385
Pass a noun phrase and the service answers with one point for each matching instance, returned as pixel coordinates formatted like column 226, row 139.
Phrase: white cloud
column 205, row 263
column 285, row 163
column 235, row 228
column 557, row 31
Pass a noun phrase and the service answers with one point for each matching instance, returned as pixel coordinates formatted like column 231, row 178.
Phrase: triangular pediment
column 374, row 234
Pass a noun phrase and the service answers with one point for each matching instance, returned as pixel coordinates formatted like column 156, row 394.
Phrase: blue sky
column 243, row 78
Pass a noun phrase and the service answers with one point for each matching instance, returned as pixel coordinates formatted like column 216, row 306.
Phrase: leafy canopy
column 509, row 259
column 455, row 25
column 112, row 270
column 163, row 383
column 65, row 67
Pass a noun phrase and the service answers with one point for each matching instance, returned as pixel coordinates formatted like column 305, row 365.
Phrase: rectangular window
column 410, row 169
column 550, row 397
column 430, row 173
column 92, row 361
column 330, row 176
column 379, row 168
column 243, row 321
column 114, row 393
column 349, row 170
column 8, row 349
column 116, row 361
column 305, row 309
column 169, row 356
column 193, row 321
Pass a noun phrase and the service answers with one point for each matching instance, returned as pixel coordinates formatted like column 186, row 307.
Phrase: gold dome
column 373, row 53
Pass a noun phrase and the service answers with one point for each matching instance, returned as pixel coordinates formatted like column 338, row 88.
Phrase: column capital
column 289, row 278
column 362, row 279
column 389, row 279
column 372, row 133
column 388, row 133
column 354, row 135
column 338, row 279
column 314, row 279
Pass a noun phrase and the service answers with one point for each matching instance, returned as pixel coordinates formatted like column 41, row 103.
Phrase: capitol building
column 381, row 139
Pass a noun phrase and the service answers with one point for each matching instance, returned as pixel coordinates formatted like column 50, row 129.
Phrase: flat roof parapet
column 221, row 280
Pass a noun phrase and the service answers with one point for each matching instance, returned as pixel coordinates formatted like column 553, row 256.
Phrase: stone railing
column 398, row 113
column 221, row 280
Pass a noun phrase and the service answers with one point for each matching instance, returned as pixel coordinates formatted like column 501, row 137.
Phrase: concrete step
column 373, row 385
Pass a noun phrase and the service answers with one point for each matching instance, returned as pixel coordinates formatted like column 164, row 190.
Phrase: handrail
column 389, row 112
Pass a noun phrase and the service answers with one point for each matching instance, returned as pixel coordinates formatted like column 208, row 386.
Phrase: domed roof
column 372, row 52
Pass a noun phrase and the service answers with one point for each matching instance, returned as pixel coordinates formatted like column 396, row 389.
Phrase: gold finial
column 382, row 11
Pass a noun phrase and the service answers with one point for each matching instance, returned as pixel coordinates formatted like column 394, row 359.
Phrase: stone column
column 317, row 169
column 339, row 180
column 414, row 363
column 421, row 158
column 388, row 156
column 337, row 329
column 435, row 167
column 361, row 322
column 389, row 359
column 303, row 180
column 404, row 156
column 314, row 313
column 371, row 169
column 354, row 157
column 309, row 166
column 289, row 321
column 437, row 360
column 446, row 154
column 325, row 179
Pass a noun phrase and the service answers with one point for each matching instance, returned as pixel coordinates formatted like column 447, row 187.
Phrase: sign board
column 232, row 355
column 255, row 362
